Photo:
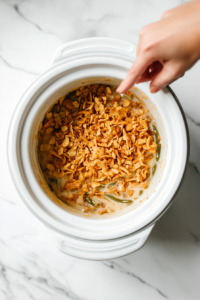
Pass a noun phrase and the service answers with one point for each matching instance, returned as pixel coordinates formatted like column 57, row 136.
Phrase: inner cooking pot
column 37, row 116
column 84, row 62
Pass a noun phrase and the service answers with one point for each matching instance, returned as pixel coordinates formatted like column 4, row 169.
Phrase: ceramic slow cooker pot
column 83, row 62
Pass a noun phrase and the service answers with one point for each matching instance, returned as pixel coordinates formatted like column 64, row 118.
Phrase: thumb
column 169, row 73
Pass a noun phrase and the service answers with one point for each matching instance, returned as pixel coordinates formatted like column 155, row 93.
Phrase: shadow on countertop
column 169, row 262
column 181, row 222
column 177, row 233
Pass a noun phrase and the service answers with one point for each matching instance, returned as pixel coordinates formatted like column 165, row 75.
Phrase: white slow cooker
column 83, row 62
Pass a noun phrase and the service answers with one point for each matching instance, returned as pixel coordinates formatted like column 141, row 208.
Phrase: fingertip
column 154, row 89
column 118, row 90
column 122, row 87
column 139, row 81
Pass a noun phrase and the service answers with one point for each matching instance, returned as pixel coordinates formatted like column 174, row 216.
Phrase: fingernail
column 154, row 89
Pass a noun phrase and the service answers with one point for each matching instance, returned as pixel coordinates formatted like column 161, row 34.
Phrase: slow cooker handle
column 99, row 250
column 95, row 47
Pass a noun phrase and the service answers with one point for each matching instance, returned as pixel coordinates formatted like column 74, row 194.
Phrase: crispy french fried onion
column 96, row 137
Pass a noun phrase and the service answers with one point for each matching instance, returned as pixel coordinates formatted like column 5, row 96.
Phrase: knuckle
column 171, row 74
column 147, row 40
column 160, row 84
column 132, row 71
column 176, row 72
column 182, row 74
column 166, row 14
column 143, row 31
column 147, row 47
column 173, row 71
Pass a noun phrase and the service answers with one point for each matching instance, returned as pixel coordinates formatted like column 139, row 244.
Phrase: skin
column 167, row 48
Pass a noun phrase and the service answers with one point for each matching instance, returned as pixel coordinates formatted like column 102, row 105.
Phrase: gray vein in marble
column 23, row 235
column 125, row 260
column 159, row 263
column 197, row 240
column 106, row 16
column 4, row 277
column 193, row 165
column 49, row 281
column 117, row 267
column 34, row 284
column 3, row 274
column 16, row 8
column 8, row 201
column 192, row 120
column 3, row 292
column 2, row 242
column 28, row 293
column 18, row 69
column 41, row 280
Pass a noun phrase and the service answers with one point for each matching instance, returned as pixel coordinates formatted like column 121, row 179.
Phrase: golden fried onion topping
column 97, row 137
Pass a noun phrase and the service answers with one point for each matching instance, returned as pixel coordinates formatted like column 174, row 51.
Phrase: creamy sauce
column 109, row 202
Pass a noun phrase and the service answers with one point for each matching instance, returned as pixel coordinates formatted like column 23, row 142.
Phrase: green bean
column 153, row 170
column 141, row 192
column 89, row 200
column 158, row 152
column 157, row 142
column 156, row 133
column 119, row 200
column 102, row 186
column 111, row 184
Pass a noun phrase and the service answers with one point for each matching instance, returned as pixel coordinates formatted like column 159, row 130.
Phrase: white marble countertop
column 31, row 267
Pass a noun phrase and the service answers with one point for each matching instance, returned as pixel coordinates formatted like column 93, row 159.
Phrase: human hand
column 166, row 48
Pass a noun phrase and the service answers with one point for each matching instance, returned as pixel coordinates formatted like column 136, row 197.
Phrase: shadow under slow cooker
column 179, row 226
column 172, row 250
column 181, row 222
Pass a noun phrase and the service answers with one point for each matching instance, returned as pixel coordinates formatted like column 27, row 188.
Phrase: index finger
column 141, row 63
